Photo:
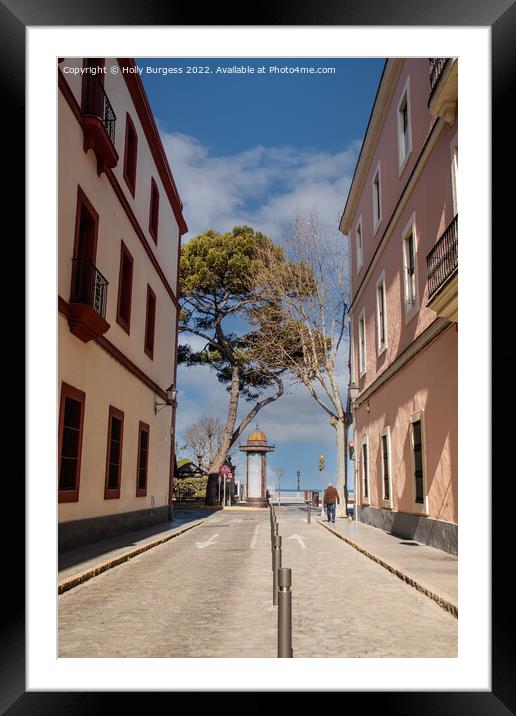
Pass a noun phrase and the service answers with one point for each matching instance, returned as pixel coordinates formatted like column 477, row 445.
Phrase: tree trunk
column 212, row 489
column 212, row 496
column 340, row 429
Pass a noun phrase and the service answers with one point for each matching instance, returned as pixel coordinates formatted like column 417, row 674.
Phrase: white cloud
column 265, row 188
column 262, row 187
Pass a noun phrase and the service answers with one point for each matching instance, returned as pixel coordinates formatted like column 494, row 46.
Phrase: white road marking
column 255, row 537
column 202, row 545
column 299, row 539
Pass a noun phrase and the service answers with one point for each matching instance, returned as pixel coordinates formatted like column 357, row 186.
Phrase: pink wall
column 416, row 69
column 428, row 383
column 430, row 204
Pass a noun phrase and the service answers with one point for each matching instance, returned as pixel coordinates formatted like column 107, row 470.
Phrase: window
column 417, row 446
column 131, row 150
column 125, row 288
column 92, row 100
column 385, row 439
column 150, row 322
column 154, row 211
column 381, row 317
column 71, row 421
column 85, row 250
column 143, row 460
column 361, row 344
column 365, row 471
column 410, row 269
column 114, row 454
column 377, row 199
column 359, row 248
column 404, row 130
column 454, row 172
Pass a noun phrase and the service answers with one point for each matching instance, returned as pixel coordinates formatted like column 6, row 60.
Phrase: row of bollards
column 281, row 592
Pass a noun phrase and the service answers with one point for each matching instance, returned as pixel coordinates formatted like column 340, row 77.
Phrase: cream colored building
column 401, row 218
column 120, row 224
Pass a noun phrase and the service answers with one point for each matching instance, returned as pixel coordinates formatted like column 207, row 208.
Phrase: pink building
column 401, row 221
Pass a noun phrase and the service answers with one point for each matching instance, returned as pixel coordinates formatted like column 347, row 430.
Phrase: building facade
column 120, row 223
column 401, row 220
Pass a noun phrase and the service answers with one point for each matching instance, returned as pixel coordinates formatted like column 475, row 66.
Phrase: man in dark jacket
column 330, row 500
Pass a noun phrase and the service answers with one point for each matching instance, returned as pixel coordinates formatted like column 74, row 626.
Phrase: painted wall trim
column 116, row 353
column 429, row 334
column 72, row 102
column 141, row 103
column 384, row 94
column 424, row 155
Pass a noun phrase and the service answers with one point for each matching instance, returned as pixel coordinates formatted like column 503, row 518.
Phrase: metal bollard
column 276, row 565
column 275, row 544
column 309, row 512
column 285, row 613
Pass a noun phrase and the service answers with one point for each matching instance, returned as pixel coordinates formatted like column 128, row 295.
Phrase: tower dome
column 257, row 436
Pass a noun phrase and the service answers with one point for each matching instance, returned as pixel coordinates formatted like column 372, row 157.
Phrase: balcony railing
column 437, row 65
column 442, row 260
column 88, row 286
column 96, row 103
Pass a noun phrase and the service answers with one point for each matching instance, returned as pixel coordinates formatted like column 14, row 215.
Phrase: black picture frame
column 500, row 16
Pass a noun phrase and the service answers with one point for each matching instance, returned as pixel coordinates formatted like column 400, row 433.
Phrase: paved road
column 208, row 593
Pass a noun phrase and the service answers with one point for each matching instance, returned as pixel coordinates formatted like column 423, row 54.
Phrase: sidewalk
column 78, row 565
column 429, row 570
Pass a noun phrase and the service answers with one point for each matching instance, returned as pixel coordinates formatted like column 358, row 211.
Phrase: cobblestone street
column 208, row 593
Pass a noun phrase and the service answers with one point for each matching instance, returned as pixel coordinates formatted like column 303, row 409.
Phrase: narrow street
column 208, row 593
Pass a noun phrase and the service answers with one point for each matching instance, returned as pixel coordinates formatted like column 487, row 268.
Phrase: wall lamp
column 171, row 399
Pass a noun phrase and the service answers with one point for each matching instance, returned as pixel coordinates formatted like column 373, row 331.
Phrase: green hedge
column 190, row 487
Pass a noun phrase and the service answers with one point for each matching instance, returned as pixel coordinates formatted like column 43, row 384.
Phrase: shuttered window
column 143, row 460
column 71, row 421
column 385, row 458
column 125, row 289
column 418, row 461
column 130, row 156
column 365, row 470
column 154, row 211
column 114, row 454
column 150, row 322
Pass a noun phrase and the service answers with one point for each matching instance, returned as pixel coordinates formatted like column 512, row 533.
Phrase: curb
column 237, row 507
column 441, row 601
column 71, row 582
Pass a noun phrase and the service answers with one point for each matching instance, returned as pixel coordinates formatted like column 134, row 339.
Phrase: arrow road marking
column 299, row 539
column 255, row 537
column 202, row 545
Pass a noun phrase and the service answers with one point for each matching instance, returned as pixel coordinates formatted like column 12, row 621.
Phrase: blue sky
column 260, row 149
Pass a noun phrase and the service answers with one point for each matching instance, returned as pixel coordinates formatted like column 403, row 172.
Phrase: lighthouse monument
column 256, row 449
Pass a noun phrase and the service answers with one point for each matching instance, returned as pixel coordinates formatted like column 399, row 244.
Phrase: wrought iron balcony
column 437, row 65
column 442, row 261
column 87, row 308
column 95, row 102
column 88, row 286
column 442, row 100
column 98, row 123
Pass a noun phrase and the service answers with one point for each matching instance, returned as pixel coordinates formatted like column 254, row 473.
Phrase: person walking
column 330, row 500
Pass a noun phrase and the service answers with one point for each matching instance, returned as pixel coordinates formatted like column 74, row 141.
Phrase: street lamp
column 171, row 392
column 298, row 476
column 321, row 470
column 279, row 473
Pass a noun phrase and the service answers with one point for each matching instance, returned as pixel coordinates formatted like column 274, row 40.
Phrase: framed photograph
column 36, row 39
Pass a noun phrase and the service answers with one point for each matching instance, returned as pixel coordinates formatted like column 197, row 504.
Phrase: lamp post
column 171, row 393
column 353, row 391
column 279, row 473
column 321, row 470
column 298, row 476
